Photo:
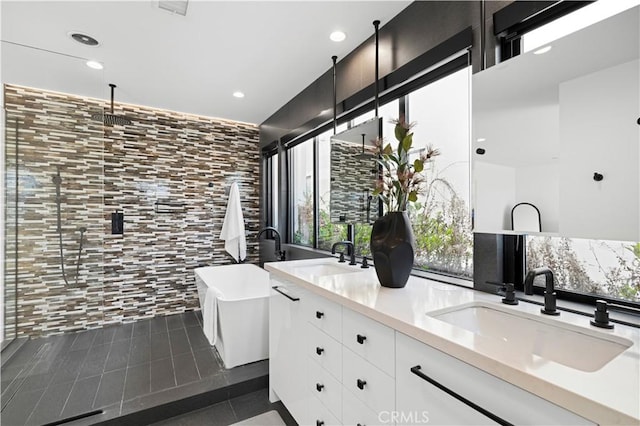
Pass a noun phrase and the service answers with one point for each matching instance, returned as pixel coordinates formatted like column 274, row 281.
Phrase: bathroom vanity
column 344, row 350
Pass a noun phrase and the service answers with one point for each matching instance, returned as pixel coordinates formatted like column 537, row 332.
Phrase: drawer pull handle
column 294, row 299
column 319, row 387
column 361, row 383
column 360, row 338
column 360, row 424
column 417, row 371
column 319, row 350
column 319, row 314
column 319, row 423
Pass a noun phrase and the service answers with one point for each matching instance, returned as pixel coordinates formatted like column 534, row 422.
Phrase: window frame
column 401, row 93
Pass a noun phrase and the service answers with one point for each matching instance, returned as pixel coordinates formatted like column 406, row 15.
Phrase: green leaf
column 387, row 149
column 400, row 132
column 418, row 165
column 413, row 196
column 407, row 141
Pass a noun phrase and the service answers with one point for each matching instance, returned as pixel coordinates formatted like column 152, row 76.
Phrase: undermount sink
column 527, row 334
column 325, row 269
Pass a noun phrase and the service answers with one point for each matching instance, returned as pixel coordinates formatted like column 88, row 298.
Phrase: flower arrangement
column 401, row 180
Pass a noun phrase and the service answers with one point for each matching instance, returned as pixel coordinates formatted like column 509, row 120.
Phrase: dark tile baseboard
column 156, row 407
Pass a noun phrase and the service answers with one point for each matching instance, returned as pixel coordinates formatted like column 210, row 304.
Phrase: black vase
column 392, row 249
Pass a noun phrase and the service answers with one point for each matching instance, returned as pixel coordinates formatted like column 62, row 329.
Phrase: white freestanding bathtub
column 235, row 309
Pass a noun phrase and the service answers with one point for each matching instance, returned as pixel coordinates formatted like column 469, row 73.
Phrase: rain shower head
column 363, row 155
column 110, row 119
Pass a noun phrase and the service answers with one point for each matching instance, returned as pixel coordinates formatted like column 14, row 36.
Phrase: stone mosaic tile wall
column 164, row 157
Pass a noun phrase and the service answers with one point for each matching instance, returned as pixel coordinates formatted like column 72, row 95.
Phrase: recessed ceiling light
column 542, row 50
column 238, row 94
column 85, row 39
column 337, row 36
column 95, row 65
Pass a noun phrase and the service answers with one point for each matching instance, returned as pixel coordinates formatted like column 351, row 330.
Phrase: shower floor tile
column 116, row 369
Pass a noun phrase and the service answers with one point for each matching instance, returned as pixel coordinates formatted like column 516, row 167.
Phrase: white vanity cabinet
column 330, row 365
column 426, row 380
column 287, row 357
column 368, row 367
column 324, row 360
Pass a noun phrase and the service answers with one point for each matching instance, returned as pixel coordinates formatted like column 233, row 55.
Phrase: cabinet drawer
column 367, row 382
column 325, row 350
column 508, row 402
column 319, row 415
column 369, row 339
column 324, row 314
column 325, row 388
column 355, row 412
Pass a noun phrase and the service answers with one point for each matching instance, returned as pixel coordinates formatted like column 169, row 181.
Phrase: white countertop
column 610, row 395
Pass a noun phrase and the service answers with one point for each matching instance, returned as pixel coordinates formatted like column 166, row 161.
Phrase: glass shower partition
column 54, row 219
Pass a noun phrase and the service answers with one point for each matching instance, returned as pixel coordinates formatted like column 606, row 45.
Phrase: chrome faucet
column 350, row 250
column 280, row 254
column 549, row 291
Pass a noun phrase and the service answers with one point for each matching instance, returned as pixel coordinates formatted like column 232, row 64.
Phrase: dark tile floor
column 231, row 411
column 118, row 368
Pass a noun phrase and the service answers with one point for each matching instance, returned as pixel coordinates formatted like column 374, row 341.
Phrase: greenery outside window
column 441, row 219
column 302, row 188
column 609, row 269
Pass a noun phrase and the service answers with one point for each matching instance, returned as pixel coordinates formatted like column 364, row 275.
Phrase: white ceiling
column 270, row 50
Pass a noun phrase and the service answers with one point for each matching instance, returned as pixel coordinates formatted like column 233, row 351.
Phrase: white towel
column 210, row 316
column 233, row 232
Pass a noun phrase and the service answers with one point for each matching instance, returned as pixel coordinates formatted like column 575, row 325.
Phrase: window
column 575, row 21
column 302, row 187
column 609, row 269
column 441, row 220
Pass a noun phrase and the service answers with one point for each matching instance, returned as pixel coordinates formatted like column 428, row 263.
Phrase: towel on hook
column 233, row 233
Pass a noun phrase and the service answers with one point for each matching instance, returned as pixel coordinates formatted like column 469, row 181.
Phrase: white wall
column 496, row 185
column 539, row 186
column 590, row 107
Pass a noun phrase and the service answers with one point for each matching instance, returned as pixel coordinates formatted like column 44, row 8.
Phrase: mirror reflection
column 354, row 172
column 557, row 128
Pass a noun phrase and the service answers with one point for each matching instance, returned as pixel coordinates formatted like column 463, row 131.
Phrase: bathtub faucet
column 280, row 254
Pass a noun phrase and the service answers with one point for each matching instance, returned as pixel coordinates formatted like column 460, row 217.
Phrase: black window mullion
column 316, row 192
column 290, row 194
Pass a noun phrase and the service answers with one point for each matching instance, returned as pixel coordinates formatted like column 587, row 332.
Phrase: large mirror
column 559, row 130
column 354, row 172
